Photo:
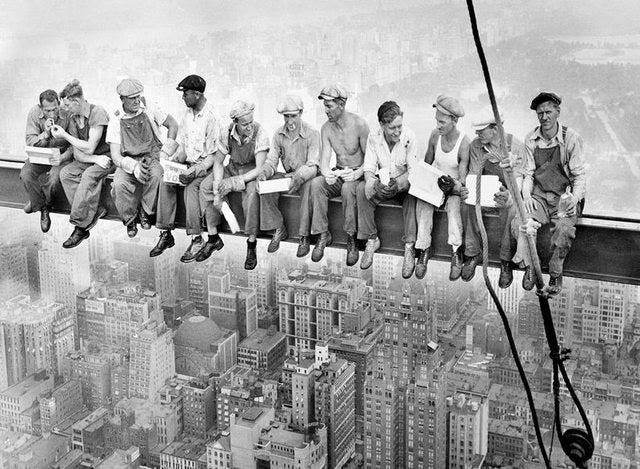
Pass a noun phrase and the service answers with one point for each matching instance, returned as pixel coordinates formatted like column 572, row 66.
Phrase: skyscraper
column 152, row 360
column 468, row 430
column 14, row 278
column 230, row 307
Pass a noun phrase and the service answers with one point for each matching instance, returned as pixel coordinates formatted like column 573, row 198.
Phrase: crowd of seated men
column 370, row 167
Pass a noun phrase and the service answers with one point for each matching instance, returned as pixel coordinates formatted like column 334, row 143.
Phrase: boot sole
column 78, row 243
column 156, row 254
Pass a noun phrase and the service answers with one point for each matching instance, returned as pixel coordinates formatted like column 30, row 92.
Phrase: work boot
column 166, row 241
column 373, row 244
column 555, row 284
column 76, row 238
column 132, row 229
column 527, row 279
column 214, row 243
column 45, row 219
column 193, row 250
column 352, row 250
column 409, row 261
column 252, row 259
column 421, row 264
column 99, row 214
column 469, row 267
column 278, row 235
column 304, row 246
column 145, row 220
column 27, row 207
column 324, row 240
column 456, row 265
column 506, row 274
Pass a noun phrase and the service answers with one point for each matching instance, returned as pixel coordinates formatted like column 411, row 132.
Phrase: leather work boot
column 304, row 246
column 527, row 279
column 506, row 274
column 166, row 241
column 278, row 235
column 324, row 240
column 252, row 259
column 409, row 261
column 45, row 219
column 555, row 284
column 193, row 250
column 214, row 243
column 145, row 220
column 456, row 265
column 421, row 264
column 352, row 250
column 132, row 229
column 469, row 267
column 76, row 238
column 99, row 214
column 373, row 244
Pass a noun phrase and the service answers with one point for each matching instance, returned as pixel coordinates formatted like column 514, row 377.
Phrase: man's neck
column 452, row 135
column 200, row 105
column 549, row 134
column 341, row 121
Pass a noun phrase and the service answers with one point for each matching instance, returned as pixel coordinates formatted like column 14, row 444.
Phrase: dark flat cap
column 543, row 97
column 192, row 82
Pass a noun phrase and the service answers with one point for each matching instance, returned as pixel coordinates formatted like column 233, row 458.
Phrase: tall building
column 201, row 347
column 410, row 326
column 335, row 408
column 14, row 277
column 303, row 395
column 603, row 308
column 110, row 314
column 199, row 288
column 63, row 272
column 263, row 280
column 385, row 267
column 33, row 336
column 152, row 360
column 468, row 430
column 16, row 400
column 509, row 297
column 198, row 408
column 314, row 306
column 60, row 404
column 265, row 349
column 153, row 273
column 233, row 308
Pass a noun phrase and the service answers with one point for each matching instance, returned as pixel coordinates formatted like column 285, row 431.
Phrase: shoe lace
column 351, row 242
column 423, row 256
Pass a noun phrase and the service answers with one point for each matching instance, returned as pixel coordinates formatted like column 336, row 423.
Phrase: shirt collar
column 380, row 140
column 201, row 112
column 537, row 134
column 302, row 131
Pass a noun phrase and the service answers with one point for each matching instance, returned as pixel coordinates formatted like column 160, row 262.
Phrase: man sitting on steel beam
column 136, row 150
column 199, row 140
column 556, row 190
column 344, row 133
column 484, row 158
column 82, row 179
column 247, row 145
column 392, row 151
column 297, row 146
column 40, row 121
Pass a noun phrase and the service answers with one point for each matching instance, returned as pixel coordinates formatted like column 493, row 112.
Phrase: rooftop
column 262, row 339
column 190, row 448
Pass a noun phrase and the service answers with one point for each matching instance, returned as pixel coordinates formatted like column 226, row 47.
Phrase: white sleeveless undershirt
column 447, row 162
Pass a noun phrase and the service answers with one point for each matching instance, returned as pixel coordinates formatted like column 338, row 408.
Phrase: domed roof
column 198, row 332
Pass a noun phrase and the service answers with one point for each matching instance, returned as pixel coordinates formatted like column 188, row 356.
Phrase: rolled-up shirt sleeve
column 577, row 168
column 262, row 141
column 271, row 163
column 529, row 164
column 212, row 136
column 370, row 157
column 313, row 153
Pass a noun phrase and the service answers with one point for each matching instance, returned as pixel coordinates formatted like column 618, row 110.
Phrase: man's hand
column 141, row 172
column 391, row 190
column 510, row 162
column 348, row 175
column 48, row 124
column 502, row 198
column 331, row 178
column 57, row 131
column 378, row 189
column 261, row 176
column 188, row 176
column 224, row 187
column 103, row 161
column 231, row 184
column 571, row 207
column 529, row 203
column 296, row 183
column 56, row 160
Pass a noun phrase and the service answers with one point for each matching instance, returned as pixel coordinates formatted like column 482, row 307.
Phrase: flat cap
column 129, row 87
column 241, row 108
column 290, row 104
column 485, row 118
column 192, row 82
column 543, row 97
column 335, row 91
column 448, row 105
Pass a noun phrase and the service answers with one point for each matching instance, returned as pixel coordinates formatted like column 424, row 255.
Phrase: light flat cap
column 543, row 97
column 485, row 118
column 241, row 108
column 449, row 106
column 192, row 82
column 290, row 104
column 129, row 87
column 331, row 92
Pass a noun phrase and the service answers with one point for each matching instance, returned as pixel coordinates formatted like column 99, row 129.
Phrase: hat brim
column 444, row 110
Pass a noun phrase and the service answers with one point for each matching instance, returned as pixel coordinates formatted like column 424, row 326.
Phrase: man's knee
column 28, row 173
column 349, row 189
column 318, row 185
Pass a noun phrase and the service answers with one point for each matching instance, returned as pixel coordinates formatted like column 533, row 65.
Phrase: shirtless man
column 346, row 134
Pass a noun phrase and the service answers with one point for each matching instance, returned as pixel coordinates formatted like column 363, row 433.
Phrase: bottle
column 565, row 202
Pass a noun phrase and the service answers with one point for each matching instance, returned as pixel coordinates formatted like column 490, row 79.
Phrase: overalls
column 242, row 159
column 138, row 141
column 82, row 182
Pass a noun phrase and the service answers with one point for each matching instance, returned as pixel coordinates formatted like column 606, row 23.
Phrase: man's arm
column 34, row 135
column 363, row 136
column 325, row 150
column 430, row 154
column 527, row 181
column 463, row 159
column 270, row 165
column 577, row 169
column 310, row 168
column 249, row 176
